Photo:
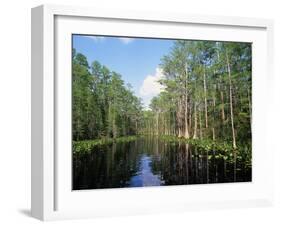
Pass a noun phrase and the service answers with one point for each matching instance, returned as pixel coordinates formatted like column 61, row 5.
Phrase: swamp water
column 150, row 161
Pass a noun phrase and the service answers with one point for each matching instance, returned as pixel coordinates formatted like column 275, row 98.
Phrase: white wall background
column 15, row 111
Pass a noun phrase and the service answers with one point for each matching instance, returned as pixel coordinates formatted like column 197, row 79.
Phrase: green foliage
column 102, row 105
column 87, row 145
column 216, row 149
column 206, row 95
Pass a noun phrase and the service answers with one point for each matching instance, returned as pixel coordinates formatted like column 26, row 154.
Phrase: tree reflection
column 150, row 161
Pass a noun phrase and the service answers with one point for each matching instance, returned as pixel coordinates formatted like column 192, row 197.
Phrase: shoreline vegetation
column 205, row 101
column 216, row 149
column 87, row 145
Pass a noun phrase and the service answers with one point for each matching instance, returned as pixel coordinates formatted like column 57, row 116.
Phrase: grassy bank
column 87, row 145
column 217, row 149
column 205, row 144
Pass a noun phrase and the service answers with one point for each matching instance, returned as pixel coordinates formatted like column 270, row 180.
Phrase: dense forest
column 206, row 96
column 103, row 106
column 207, row 92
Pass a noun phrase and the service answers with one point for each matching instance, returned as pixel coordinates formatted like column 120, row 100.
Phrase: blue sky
column 136, row 59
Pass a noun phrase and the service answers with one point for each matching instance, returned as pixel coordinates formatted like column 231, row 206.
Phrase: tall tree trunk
column 175, row 122
column 190, row 117
column 214, row 119
column 165, row 124
column 231, row 104
column 222, row 106
column 186, row 133
column 205, row 98
column 114, row 127
column 195, row 122
column 179, row 119
column 200, row 124
column 172, row 124
column 214, row 113
column 157, row 123
column 221, row 92
column 250, row 105
column 214, row 134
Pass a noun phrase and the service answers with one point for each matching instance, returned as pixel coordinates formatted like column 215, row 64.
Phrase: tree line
column 103, row 106
column 207, row 93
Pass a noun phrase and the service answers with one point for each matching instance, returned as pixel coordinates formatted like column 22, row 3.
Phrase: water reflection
column 150, row 161
column 145, row 175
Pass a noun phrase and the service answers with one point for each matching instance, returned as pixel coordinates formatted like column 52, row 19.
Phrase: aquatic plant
column 87, row 145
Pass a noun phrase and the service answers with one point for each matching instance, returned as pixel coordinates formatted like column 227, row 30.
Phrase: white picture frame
column 52, row 197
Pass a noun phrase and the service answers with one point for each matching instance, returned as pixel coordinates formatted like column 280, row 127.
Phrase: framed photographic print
column 137, row 112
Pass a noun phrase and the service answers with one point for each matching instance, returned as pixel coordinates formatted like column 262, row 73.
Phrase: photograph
column 158, row 111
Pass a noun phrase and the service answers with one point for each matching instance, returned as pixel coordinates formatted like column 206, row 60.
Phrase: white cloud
column 95, row 38
column 102, row 38
column 151, row 87
column 126, row 40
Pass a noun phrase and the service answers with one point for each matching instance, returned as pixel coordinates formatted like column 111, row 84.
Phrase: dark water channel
column 150, row 161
